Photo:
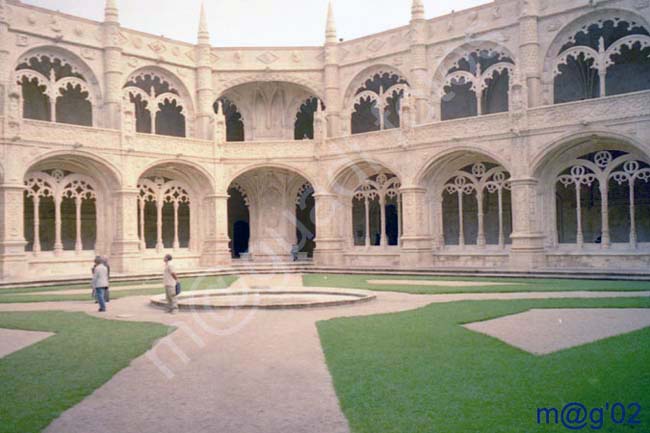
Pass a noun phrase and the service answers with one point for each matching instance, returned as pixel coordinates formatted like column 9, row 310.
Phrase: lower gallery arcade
column 592, row 199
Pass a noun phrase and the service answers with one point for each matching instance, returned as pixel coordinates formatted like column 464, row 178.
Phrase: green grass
column 420, row 371
column 39, row 382
column 21, row 295
column 511, row 285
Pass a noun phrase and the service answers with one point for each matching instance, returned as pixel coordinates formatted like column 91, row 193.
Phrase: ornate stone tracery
column 58, row 185
column 381, row 188
column 599, row 170
column 54, row 90
column 476, row 75
column 478, row 181
column 159, row 107
column 583, row 59
column 376, row 105
column 158, row 191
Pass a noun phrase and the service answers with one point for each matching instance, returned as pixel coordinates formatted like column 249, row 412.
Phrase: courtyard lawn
column 510, row 285
column 24, row 295
column 421, row 371
column 40, row 382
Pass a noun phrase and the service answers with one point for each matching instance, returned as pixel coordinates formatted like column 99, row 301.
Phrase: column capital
column 324, row 195
column 217, row 196
column 413, row 189
column 12, row 187
column 530, row 181
column 125, row 191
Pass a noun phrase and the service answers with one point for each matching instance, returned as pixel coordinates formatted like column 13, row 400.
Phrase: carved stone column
column 204, row 92
column 4, row 57
column 216, row 251
column 416, row 239
column 13, row 260
column 529, row 50
column 527, row 238
column 332, row 78
column 329, row 243
column 419, row 71
column 113, row 80
column 125, row 250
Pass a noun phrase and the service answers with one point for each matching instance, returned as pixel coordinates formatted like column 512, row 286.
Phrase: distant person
column 294, row 252
column 108, row 268
column 170, row 280
column 100, row 282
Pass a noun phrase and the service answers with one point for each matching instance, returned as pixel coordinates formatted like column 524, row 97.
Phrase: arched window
column 604, row 198
column 305, row 118
column 60, row 212
column 158, row 106
column 477, row 206
column 53, row 90
column 478, row 83
column 608, row 57
column 376, row 211
column 163, row 214
column 234, row 119
column 377, row 104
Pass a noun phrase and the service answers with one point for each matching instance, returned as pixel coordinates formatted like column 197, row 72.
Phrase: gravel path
column 233, row 372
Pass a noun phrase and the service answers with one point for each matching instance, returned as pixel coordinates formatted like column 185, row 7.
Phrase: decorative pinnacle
column 417, row 10
column 204, row 34
column 111, row 12
column 330, row 30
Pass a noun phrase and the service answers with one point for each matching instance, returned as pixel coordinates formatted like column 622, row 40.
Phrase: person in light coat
column 100, row 282
column 170, row 280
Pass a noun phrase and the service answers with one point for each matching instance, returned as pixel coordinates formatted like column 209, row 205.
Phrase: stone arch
column 574, row 143
column 276, row 204
column 310, row 86
column 191, row 172
column 171, row 211
column 183, row 99
column 90, row 82
column 274, row 165
column 451, row 59
column 569, row 30
column 267, row 109
column 368, row 194
column 70, row 176
column 373, row 99
column 602, row 221
column 366, row 73
column 440, row 160
column 111, row 176
column 469, row 198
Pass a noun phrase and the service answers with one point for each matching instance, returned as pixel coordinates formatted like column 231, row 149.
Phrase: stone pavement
column 251, row 371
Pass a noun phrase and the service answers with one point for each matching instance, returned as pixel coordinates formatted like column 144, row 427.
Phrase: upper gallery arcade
column 511, row 134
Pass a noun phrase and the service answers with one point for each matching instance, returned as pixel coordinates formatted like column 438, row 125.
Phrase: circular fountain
column 267, row 298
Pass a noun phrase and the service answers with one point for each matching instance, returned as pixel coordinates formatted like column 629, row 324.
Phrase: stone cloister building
column 510, row 136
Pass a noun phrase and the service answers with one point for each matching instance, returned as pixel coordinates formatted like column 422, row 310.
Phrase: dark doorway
column 241, row 235
column 392, row 222
column 238, row 223
column 306, row 222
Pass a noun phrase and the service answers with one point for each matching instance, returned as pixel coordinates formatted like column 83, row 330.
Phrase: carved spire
column 417, row 10
column 204, row 34
column 330, row 30
column 111, row 12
